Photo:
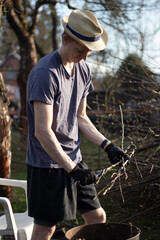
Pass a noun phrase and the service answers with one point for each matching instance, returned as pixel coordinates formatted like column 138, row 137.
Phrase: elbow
column 82, row 122
column 81, row 117
column 38, row 134
column 42, row 134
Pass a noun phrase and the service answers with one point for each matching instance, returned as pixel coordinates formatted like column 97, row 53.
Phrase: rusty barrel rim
column 70, row 233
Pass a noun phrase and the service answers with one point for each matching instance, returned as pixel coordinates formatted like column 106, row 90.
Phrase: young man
column 59, row 182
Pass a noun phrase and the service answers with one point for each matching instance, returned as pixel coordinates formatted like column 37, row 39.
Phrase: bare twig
column 122, row 127
column 126, row 176
column 117, row 175
column 142, row 212
column 120, row 187
column 138, row 169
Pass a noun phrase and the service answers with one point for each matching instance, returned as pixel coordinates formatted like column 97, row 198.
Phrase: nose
column 86, row 54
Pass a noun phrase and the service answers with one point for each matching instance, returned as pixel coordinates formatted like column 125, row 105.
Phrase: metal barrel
column 104, row 231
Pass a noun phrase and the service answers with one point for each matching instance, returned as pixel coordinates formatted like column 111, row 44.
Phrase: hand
column 85, row 176
column 116, row 154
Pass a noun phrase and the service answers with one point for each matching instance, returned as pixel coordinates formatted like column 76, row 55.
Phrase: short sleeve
column 88, row 85
column 43, row 86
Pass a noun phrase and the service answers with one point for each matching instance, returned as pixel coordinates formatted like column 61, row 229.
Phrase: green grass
column 18, row 163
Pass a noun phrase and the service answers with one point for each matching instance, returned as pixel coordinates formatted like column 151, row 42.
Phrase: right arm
column 44, row 133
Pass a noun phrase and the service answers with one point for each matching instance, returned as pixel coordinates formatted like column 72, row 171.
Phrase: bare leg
column 95, row 216
column 42, row 232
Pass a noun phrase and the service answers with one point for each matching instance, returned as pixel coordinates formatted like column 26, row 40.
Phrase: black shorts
column 54, row 196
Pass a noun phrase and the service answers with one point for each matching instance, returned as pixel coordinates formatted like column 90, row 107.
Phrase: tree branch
column 14, row 20
column 39, row 49
column 39, row 3
column 69, row 6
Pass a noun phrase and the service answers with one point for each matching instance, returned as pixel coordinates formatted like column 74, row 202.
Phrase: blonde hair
column 68, row 36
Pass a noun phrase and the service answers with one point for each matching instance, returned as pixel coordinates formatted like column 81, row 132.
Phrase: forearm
column 89, row 131
column 52, row 146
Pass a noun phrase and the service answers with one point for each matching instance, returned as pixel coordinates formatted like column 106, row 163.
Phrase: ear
column 65, row 37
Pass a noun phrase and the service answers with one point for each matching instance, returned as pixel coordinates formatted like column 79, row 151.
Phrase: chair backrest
column 15, row 183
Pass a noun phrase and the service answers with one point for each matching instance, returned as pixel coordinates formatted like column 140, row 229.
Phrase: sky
column 148, row 23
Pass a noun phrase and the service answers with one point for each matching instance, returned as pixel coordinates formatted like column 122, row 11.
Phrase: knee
column 95, row 216
column 48, row 231
column 102, row 216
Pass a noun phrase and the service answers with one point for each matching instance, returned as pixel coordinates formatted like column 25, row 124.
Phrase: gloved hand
column 116, row 154
column 85, row 176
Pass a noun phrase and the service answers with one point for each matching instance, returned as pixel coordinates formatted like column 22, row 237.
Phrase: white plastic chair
column 18, row 224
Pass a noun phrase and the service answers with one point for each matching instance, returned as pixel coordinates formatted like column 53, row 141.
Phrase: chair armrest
column 15, row 183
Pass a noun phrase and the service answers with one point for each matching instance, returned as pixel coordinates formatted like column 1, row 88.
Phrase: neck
column 66, row 63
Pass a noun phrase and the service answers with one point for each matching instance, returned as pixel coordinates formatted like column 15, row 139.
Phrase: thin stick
column 111, row 184
column 120, row 187
column 124, row 169
column 122, row 127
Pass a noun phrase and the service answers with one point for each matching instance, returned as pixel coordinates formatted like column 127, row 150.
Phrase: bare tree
column 136, row 83
column 5, row 137
column 5, row 132
column 23, row 18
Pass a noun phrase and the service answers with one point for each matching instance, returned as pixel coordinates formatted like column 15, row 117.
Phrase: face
column 76, row 51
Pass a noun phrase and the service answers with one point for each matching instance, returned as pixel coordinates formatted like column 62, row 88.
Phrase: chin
column 77, row 60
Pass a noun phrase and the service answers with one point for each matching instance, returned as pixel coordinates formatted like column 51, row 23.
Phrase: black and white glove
column 85, row 176
column 115, row 153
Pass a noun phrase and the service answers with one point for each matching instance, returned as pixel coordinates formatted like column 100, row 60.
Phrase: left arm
column 86, row 127
column 89, row 131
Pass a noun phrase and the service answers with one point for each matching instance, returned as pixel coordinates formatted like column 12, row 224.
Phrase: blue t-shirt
column 50, row 83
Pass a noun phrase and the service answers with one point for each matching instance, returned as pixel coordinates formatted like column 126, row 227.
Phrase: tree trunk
column 5, row 138
column 28, row 61
column 54, row 27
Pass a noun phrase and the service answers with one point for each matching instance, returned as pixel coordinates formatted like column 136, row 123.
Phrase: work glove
column 116, row 154
column 85, row 176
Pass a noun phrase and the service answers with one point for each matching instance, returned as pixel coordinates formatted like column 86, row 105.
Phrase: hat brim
column 93, row 46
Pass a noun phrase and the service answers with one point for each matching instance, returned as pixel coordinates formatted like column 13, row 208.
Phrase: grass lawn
column 138, row 207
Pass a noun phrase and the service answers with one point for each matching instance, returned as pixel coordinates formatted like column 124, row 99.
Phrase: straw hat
column 83, row 26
